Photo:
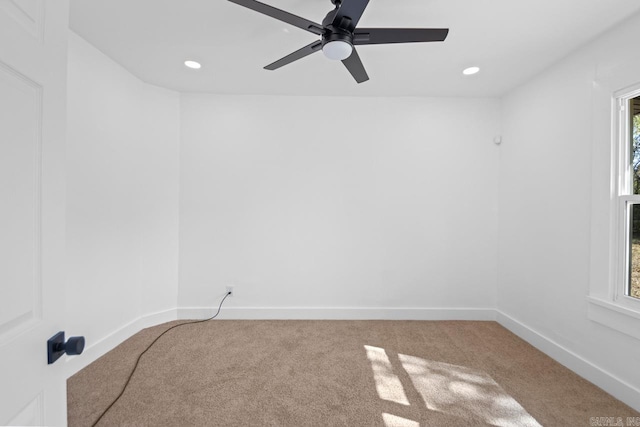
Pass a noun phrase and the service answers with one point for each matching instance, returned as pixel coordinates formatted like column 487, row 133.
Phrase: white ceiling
column 511, row 40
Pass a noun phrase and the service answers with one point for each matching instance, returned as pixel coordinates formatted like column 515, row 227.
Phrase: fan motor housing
column 336, row 34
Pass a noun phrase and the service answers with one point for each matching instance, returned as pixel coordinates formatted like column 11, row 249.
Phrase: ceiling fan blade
column 348, row 13
column 355, row 67
column 298, row 54
column 398, row 35
column 281, row 15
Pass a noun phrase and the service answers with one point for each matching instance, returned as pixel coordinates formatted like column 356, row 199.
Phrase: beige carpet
column 335, row 373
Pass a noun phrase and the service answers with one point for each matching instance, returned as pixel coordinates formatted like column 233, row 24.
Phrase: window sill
column 614, row 316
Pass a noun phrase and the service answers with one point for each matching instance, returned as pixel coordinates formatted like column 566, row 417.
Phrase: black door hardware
column 56, row 346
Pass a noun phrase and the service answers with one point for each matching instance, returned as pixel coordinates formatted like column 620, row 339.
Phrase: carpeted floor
column 335, row 373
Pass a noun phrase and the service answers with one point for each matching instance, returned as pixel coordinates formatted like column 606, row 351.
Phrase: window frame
column 623, row 201
column 606, row 301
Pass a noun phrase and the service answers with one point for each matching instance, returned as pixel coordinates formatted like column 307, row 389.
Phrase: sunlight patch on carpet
column 396, row 421
column 388, row 384
column 465, row 392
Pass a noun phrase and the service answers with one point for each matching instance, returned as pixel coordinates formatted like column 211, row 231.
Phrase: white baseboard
column 346, row 313
column 603, row 379
column 97, row 349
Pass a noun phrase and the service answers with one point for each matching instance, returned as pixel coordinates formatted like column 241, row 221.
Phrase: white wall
column 554, row 212
column 338, row 202
column 122, row 195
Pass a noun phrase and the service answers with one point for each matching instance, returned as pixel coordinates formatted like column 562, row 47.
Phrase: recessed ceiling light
column 470, row 71
column 193, row 64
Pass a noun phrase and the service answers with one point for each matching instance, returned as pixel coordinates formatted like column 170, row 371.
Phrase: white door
column 33, row 55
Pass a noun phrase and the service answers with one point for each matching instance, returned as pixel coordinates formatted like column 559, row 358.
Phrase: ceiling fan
column 339, row 34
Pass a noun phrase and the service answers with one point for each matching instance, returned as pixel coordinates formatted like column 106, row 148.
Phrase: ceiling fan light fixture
column 337, row 50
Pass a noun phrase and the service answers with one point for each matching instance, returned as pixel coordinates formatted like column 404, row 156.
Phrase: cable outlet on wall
column 230, row 290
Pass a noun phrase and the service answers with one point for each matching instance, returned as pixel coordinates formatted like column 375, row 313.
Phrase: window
column 633, row 285
column 628, row 279
column 614, row 271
